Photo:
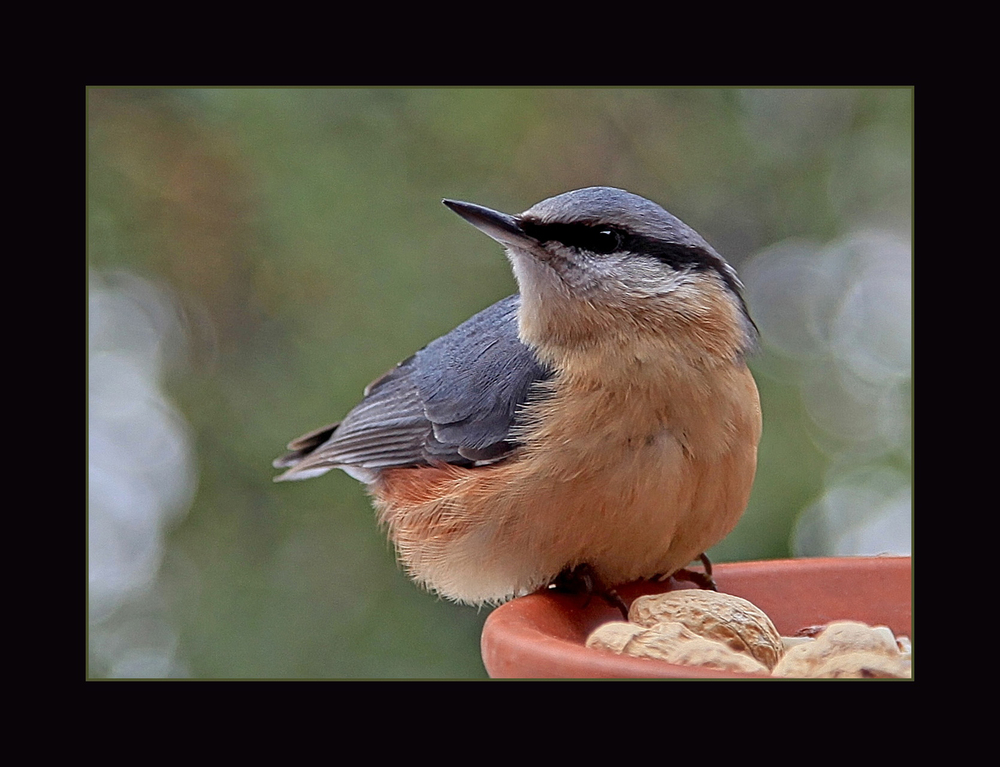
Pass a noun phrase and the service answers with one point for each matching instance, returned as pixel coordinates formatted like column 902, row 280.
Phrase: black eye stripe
column 604, row 240
column 672, row 253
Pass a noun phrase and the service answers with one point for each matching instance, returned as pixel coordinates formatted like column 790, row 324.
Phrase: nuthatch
column 603, row 419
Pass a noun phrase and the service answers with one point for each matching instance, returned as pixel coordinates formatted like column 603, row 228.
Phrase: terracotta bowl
column 542, row 635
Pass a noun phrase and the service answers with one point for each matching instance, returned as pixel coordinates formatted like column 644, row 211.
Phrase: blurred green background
column 257, row 256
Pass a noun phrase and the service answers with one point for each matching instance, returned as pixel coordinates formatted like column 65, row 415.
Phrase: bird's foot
column 581, row 579
column 701, row 580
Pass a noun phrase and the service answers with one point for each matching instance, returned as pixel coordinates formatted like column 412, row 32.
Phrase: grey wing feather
column 454, row 401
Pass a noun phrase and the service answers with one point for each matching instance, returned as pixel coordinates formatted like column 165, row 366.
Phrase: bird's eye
column 605, row 240
column 594, row 238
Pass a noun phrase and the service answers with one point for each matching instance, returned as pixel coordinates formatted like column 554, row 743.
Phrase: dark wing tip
column 301, row 447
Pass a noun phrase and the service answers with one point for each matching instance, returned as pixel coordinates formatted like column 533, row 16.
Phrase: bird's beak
column 503, row 228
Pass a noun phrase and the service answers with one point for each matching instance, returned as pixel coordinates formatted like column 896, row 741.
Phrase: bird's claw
column 701, row 580
column 581, row 579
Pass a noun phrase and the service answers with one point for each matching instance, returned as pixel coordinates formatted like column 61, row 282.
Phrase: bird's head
column 603, row 270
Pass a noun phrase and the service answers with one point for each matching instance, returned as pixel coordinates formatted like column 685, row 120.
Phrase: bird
column 598, row 427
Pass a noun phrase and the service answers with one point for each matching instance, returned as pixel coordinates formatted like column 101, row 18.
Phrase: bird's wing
column 454, row 401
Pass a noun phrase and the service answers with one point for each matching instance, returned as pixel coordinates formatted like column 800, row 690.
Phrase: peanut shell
column 731, row 620
column 843, row 638
column 673, row 643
